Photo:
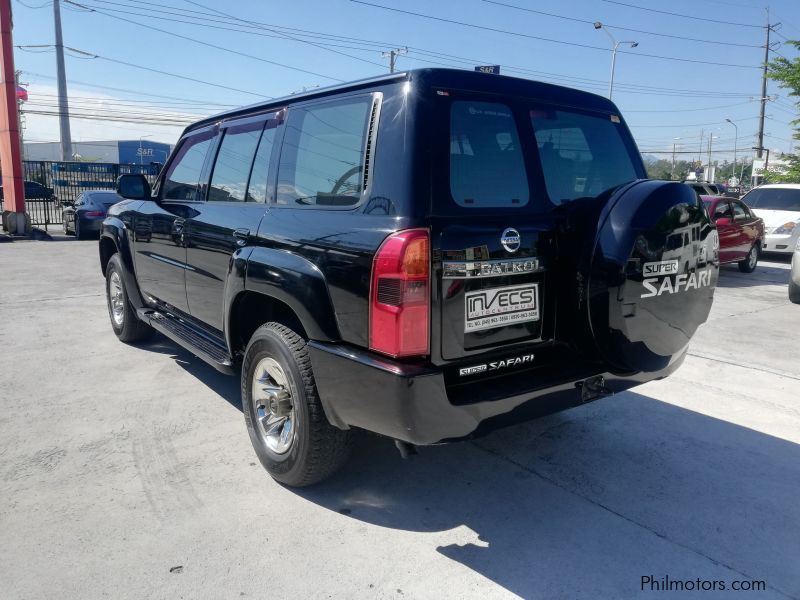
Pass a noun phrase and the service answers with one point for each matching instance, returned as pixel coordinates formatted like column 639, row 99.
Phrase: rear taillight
column 399, row 315
column 95, row 213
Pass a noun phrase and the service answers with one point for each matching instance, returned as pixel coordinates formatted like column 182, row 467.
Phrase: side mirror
column 133, row 187
column 722, row 221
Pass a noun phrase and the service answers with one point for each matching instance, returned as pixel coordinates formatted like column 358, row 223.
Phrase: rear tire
column 124, row 321
column 748, row 265
column 78, row 234
column 794, row 292
column 287, row 425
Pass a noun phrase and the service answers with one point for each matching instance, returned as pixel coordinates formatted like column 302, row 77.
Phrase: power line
column 127, row 102
column 438, row 58
column 208, row 44
column 682, row 110
column 286, row 35
column 157, row 14
column 692, row 17
column 544, row 39
column 116, row 89
column 128, row 64
column 695, row 124
column 94, row 117
column 620, row 27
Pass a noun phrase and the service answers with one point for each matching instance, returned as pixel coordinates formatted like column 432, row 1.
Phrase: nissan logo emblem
column 510, row 239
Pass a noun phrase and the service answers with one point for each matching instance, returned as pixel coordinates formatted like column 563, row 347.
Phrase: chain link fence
column 51, row 184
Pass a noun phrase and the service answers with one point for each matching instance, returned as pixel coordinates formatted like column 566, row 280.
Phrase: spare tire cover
column 654, row 267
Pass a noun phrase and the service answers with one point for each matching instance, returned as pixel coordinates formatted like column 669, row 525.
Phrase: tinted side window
column 257, row 190
column 322, row 158
column 182, row 179
column 487, row 168
column 738, row 211
column 234, row 160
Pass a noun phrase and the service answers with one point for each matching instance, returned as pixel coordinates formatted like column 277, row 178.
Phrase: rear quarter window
column 322, row 156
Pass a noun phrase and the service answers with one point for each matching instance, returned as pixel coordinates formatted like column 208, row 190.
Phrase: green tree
column 787, row 73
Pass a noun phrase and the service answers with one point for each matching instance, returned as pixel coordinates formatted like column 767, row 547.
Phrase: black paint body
column 204, row 272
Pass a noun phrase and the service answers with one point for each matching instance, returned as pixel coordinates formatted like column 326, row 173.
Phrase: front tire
column 124, row 320
column 748, row 265
column 284, row 417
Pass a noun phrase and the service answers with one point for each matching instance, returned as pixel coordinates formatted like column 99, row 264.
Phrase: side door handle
column 178, row 230
column 241, row 235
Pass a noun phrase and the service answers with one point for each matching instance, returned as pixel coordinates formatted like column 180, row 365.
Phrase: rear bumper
column 91, row 223
column 411, row 403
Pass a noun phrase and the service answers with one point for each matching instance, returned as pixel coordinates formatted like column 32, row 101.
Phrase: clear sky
column 261, row 53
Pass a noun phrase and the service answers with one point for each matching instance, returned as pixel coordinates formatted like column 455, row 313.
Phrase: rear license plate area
column 492, row 308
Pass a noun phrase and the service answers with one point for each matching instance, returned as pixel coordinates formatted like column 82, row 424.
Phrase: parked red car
column 741, row 233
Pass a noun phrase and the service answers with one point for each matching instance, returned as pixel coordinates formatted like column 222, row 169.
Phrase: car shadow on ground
column 773, row 273
column 589, row 500
column 582, row 503
column 224, row 385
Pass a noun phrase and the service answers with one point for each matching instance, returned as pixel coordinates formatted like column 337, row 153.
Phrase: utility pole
column 763, row 91
column 710, row 177
column 700, row 148
column 672, row 171
column 393, row 54
column 63, row 105
column 16, row 221
column 764, row 98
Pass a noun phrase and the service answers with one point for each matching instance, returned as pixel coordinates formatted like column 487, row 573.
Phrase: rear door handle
column 241, row 235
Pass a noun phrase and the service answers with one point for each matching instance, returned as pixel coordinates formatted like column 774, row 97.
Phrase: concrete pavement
column 127, row 472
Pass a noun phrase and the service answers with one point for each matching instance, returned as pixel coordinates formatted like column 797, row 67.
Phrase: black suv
column 426, row 255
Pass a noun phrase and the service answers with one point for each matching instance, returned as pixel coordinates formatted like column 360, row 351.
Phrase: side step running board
column 194, row 341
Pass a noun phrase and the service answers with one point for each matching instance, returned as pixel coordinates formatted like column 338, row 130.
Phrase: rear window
column 581, row 155
column 487, row 168
column 497, row 147
column 774, row 199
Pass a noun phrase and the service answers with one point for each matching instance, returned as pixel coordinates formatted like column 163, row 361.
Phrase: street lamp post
column 614, row 45
column 735, row 143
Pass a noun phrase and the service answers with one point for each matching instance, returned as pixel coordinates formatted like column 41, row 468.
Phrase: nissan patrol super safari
column 426, row 255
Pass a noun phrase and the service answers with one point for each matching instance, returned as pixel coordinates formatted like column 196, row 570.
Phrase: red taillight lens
column 400, row 298
column 95, row 213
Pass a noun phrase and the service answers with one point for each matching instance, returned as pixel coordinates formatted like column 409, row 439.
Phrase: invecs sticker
column 665, row 267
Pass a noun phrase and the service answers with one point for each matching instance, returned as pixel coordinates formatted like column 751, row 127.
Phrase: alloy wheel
column 273, row 406
column 116, row 299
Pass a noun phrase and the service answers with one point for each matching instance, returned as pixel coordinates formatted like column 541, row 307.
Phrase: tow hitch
column 593, row 388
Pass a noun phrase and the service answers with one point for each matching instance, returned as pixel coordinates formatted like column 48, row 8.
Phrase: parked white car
column 778, row 204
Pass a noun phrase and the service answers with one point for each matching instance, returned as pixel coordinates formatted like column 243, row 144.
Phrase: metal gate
column 49, row 185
